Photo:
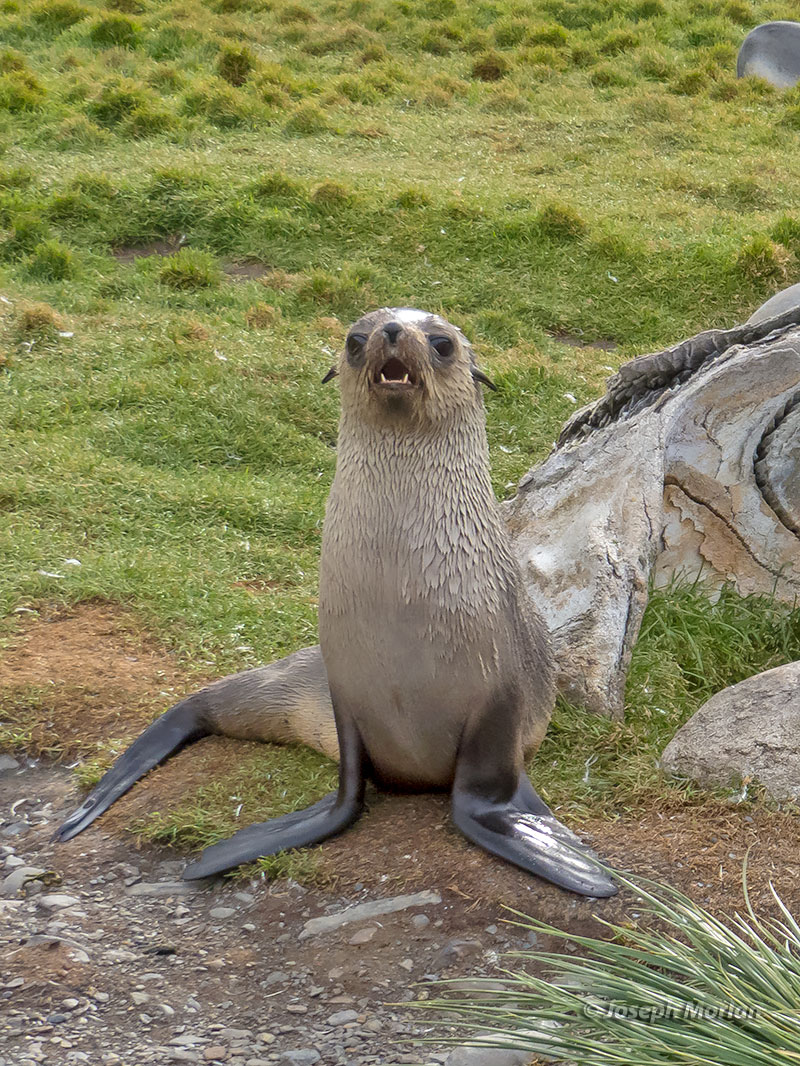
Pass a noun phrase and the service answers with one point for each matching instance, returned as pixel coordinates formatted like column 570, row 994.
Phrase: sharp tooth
column 405, row 379
column 383, row 378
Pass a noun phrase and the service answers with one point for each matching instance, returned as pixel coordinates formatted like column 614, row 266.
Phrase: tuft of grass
column 412, row 198
column 221, row 104
column 15, row 177
column 117, row 101
column 491, row 66
column 560, row 222
column 38, row 320
column 307, row 120
column 331, row 195
column 261, row 315
column 56, row 16
column 762, row 260
column 51, row 261
column 236, row 64
column 278, row 186
column 115, row 31
column 679, row 985
column 607, row 75
column 190, row 270
column 148, row 122
column 20, row 91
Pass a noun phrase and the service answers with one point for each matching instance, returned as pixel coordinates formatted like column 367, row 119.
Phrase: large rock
column 786, row 300
column 750, row 730
column 688, row 466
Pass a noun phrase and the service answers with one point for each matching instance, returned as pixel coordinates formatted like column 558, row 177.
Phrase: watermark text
column 651, row 1013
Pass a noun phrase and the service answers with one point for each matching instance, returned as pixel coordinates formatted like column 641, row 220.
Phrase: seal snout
column 392, row 330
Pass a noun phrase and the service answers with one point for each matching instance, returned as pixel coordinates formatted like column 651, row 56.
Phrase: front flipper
column 323, row 819
column 538, row 843
column 495, row 806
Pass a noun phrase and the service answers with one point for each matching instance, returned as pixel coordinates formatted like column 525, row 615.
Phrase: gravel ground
column 108, row 958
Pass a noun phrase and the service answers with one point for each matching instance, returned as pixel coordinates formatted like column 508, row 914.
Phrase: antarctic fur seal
column 771, row 51
column 436, row 664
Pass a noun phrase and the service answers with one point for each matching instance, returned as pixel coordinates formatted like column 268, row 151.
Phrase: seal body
column 437, row 665
column 422, row 618
column 771, row 51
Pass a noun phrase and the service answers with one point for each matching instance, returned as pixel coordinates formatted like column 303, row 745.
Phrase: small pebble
column 301, row 1057
column 363, row 936
column 54, row 901
column 342, row 1017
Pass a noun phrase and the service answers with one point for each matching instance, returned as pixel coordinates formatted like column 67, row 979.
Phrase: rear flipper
column 323, row 819
column 524, row 831
column 181, row 725
column 285, row 701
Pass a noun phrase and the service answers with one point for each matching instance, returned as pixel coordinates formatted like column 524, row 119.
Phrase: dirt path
column 106, row 957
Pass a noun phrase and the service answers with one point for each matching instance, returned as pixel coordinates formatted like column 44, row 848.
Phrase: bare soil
column 76, row 677
column 127, row 254
column 103, row 678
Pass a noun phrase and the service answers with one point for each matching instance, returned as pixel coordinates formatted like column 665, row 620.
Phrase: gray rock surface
column 487, row 1056
column 164, row 888
column 786, row 300
column 688, row 465
column 750, row 730
column 361, row 911
column 19, row 877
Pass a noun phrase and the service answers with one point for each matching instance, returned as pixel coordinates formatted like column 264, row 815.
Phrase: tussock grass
column 679, row 985
column 580, row 168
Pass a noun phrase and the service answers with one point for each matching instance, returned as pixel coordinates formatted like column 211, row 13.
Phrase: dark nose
column 392, row 331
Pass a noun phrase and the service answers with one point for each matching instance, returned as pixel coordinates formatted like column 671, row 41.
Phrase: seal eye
column 443, row 346
column 355, row 347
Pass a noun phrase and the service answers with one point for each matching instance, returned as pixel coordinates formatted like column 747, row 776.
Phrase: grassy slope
column 580, row 167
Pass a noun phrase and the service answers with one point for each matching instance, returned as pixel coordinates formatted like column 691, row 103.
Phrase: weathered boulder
column 688, row 466
column 750, row 730
column 771, row 51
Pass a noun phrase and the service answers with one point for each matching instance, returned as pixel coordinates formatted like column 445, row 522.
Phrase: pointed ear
column 479, row 375
column 332, row 373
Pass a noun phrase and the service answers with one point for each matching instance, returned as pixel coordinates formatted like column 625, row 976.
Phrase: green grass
column 564, row 167
column 287, row 779
column 677, row 985
column 688, row 649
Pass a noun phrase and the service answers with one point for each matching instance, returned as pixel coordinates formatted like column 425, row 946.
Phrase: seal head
column 408, row 363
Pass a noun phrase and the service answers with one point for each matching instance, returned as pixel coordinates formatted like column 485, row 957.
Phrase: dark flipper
column 181, row 725
column 539, row 843
column 495, row 806
column 323, row 819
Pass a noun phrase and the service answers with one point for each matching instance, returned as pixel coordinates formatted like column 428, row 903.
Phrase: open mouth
column 394, row 375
